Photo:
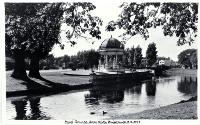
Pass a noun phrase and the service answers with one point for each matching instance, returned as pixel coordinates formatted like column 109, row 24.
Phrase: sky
column 166, row 46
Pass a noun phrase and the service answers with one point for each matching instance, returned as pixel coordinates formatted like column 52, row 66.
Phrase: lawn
column 55, row 76
column 180, row 71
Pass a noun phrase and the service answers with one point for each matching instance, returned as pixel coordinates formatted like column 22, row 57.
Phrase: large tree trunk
column 34, row 68
column 19, row 68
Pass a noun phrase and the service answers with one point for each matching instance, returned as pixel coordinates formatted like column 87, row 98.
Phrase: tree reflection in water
column 31, row 106
column 136, row 89
column 106, row 96
column 151, row 88
column 20, row 109
column 188, row 85
column 112, row 93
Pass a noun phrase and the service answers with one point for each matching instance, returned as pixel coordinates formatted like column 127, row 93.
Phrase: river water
column 103, row 102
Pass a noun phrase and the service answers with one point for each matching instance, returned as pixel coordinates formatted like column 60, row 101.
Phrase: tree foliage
column 126, row 57
column 151, row 54
column 138, row 55
column 18, row 25
column 193, row 59
column 83, row 59
column 32, row 29
column 132, row 55
column 35, row 27
column 188, row 58
column 89, row 58
column 176, row 19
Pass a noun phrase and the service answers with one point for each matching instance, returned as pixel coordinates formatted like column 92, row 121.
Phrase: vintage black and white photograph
column 101, row 60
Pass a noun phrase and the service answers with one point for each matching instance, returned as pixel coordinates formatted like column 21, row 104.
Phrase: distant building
column 160, row 61
column 166, row 61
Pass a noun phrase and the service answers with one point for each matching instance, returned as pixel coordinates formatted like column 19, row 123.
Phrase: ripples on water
column 103, row 102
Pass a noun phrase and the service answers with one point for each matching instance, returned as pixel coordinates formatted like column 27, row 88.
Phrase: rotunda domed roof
column 111, row 43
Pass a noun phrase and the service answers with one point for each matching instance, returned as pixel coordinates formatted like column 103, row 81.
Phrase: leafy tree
column 93, row 58
column 50, row 61
column 126, row 57
column 193, row 60
column 82, row 56
column 34, row 29
column 131, row 55
column 44, row 35
column 176, row 19
column 18, row 17
column 74, row 59
column 151, row 54
column 138, row 55
column 59, row 61
column 89, row 58
column 188, row 58
column 66, row 59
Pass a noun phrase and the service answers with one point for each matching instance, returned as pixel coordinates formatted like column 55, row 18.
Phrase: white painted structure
column 161, row 62
column 111, row 59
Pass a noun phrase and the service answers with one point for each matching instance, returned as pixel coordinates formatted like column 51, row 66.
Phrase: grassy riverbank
column 186, row 110
column 180, row 71
column 52, row 80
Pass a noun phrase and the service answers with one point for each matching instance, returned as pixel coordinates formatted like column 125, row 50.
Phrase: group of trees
column 133, row 56
column 90, row 59
column 176, row 19
column 32, row 29
column 151, row 54
column 83, row 59
column 188, row 58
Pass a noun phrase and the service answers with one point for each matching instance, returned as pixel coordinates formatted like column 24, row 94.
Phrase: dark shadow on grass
column 30, row 84
column 33, row 88
column 47, row 87
column 64, row 87
column 54, row 85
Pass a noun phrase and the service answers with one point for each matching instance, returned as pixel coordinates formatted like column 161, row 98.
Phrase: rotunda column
column 99, row 64
column 106, row 60
column 116, row 63
column 113, row 62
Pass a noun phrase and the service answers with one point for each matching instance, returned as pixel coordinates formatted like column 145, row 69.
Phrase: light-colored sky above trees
column 109, row 10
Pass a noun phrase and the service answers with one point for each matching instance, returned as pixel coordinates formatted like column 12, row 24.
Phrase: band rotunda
column 111, row 55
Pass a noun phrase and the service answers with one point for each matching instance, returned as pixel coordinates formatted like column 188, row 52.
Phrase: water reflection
column 151, row 88
column 28, row 109
column 112, row 94
column 20, row 109
column 107, row 96
column 135, row 89
column 188, row 85
column 116, row 94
